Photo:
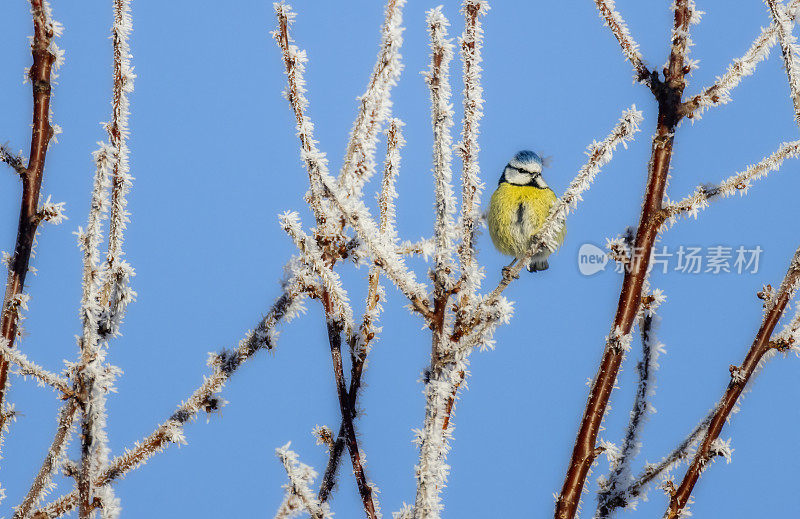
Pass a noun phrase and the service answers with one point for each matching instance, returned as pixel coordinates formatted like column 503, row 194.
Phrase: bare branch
column 740, row 376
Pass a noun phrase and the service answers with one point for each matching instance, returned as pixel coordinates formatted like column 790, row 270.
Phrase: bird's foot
column 507, row 273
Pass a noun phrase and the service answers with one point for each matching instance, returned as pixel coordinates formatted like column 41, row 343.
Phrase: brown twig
column 668, row 94
column 364, row 489
column 14, row 160
column 29, row 219
column 740, row 375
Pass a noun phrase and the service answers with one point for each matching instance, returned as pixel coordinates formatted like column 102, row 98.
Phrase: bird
column 518, row 208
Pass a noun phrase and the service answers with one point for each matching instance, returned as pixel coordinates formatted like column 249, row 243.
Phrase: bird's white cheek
column 515, row 177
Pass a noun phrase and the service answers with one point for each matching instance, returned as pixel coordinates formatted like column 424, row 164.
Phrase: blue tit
column 519, row 207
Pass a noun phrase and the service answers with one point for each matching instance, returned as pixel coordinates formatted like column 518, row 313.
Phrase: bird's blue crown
column 526, row 157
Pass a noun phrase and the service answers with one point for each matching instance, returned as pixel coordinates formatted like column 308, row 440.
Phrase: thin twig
column 15, row 160
column 614, row 21
column 740, row 376
column 719, row 93
column 55, row 456
column 471, row 43
column 783, row 29
column 28, row 368
column 738, row 183
column 205, row 398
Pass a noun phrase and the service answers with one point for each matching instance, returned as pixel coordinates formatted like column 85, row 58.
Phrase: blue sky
column 215, row 159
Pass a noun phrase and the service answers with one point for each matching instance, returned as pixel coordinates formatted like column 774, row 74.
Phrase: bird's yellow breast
column 515, row 214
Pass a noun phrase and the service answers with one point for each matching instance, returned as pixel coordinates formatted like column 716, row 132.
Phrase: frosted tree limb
column 54, row 458
column 375, row 104
column 116, row 292
column 614, row 489
column 438, row 80
column 740, row 376
column 47, row 57
column 719, row 93
column 375, row 293
column 347, row 411
column 738, row 183
column 205, row 398
column 600, row 153
column 27, row 368
column 471, row 44
column 295, row 61
column 683, row 451
column 94, row 451
column 614, row 21
column 669, row 95
column 14, row 160
column 352, row 209
column 431, row 471
column 298, row 491
column 783, row 29
column 340, row 309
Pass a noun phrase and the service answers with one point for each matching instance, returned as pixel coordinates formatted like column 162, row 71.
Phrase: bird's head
column 525, row 169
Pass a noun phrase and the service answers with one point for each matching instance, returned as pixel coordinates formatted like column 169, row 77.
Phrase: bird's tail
column 539, row 262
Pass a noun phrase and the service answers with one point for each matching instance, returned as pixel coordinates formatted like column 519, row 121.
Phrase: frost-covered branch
column 205, row 398
column 719, row 93
column 783, row 30
column 740, row 376
column 55, row 457
column 738, row 183
column 295, row 61
column 116, row 292
column 375, row 293
column 375, row 104
column 438, row 79
column 91, row 393
column 371, row 507
column 340, row 309
column 680, row 453
column 471, row 43
column 351, row 208
column 47, row 57
column 27, row 368
column 298, row 491
column 614, row 21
